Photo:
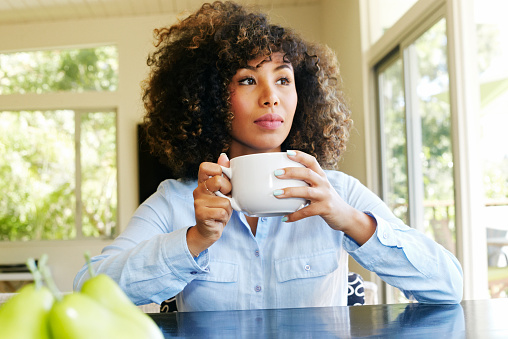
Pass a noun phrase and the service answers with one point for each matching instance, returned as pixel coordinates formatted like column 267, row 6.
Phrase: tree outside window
column 58, row 167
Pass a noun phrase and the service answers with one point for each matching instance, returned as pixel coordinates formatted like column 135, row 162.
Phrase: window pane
column 75, row 70
column 433, row 109
column 492, row 33
column 492, row 42
column 383, row 14
column 98, row 173
column 37, row 175
column 393, row 122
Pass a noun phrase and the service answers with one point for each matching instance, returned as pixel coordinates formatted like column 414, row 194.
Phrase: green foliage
column 37, row 175
column 98, row 188
column 89, row 69
column 37, row 166
column 437, row 159
column 394, row 130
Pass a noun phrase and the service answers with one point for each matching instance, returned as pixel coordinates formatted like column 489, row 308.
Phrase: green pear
column 106, row 292
column 24, row 316
column 78, row 316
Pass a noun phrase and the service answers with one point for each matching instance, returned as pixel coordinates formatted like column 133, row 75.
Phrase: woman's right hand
column 212, row 212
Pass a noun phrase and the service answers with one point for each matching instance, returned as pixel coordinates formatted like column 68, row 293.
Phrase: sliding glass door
column 415, row 137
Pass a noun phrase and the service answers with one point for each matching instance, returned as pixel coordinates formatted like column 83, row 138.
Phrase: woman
column 226, row 83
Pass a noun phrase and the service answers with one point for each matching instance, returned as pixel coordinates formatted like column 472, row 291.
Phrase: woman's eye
column 247, row 81
column 283, row 81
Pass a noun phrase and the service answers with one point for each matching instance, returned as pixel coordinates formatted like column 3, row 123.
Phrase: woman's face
column 263, row 101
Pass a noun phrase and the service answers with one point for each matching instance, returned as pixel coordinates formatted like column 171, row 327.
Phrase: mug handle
column 228, row 172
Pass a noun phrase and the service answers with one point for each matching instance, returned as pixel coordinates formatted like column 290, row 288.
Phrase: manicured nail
column 291, row 153
column 284, row 219
column 278, row 172
column 278, row 192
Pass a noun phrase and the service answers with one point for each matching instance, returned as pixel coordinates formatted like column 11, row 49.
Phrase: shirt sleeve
column 402, row 256
column 149, row 261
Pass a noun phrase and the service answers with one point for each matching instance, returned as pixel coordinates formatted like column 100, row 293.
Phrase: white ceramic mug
column 253, row 182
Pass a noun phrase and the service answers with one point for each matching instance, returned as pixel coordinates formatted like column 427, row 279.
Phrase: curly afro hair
column 186, row 96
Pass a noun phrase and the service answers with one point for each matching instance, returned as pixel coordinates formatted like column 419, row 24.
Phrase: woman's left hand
column 324, row 200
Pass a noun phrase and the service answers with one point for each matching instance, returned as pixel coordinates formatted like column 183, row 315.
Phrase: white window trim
column 413, row 140
column 465, row 100
column 464, row 103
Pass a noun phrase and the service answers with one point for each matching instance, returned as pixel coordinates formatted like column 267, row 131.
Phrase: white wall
column 133, row 36
column 341, row 30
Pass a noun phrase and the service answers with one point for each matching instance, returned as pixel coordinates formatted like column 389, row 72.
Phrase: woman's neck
column 237, row 149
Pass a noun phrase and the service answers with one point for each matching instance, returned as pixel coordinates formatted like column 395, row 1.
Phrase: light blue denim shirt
column 299, row 264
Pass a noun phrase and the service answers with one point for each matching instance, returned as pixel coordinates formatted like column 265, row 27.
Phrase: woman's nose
column 269, row 98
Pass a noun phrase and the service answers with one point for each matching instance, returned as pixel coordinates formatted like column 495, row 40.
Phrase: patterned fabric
column 355, row 294
column 168, row 306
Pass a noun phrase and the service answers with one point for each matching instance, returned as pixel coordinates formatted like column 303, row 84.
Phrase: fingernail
column 278, row 192
column 278, row 172
column 284, row 219
column 291, row 153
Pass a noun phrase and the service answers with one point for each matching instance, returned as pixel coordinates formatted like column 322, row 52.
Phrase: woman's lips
column 269, row 121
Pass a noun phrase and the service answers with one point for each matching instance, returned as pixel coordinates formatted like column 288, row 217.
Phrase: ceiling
column 27, row 11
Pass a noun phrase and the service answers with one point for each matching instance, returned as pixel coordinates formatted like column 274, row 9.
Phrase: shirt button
column 257, row 288
column 385, row 235
column 263, row 219
column 307, row 267
column 256, row 253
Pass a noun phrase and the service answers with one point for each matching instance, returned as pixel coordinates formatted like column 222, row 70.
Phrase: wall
column 133, row 37
column 341, row 30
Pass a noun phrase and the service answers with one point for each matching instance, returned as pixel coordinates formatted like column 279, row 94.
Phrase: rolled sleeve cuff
column 384, row 236
column 179, row 259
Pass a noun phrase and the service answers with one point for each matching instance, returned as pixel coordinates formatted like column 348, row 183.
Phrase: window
column 76, row 70
column 444, row 194
column 394, row 146
column 58, row 167
column 427, row 74
column 416, row 152
column 492, row 49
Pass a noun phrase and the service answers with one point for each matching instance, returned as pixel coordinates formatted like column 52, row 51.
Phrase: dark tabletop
column 471, row 319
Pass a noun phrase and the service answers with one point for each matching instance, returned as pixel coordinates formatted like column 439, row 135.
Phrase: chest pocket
column 308, row 266
column 215, row 290
column 220, row 271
